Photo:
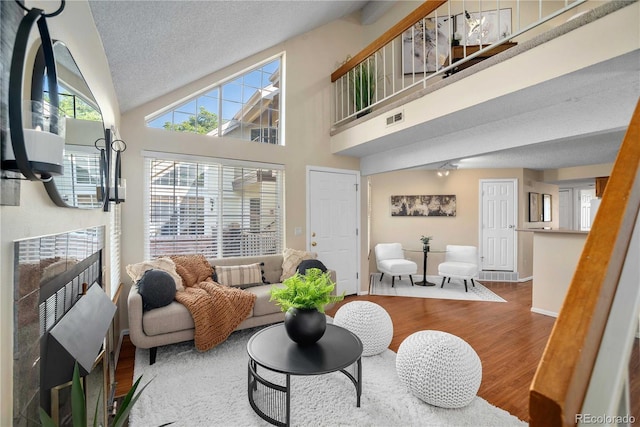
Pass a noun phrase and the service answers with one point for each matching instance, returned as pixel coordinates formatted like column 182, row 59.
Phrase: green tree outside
column 203, row 123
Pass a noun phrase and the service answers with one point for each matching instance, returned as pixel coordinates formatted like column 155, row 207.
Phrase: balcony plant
column 303, row 298
column 363, row 84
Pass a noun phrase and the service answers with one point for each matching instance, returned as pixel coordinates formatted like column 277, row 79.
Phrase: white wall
column 37, row 215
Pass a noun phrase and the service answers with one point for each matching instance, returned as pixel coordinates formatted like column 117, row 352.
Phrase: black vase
column 305, row 326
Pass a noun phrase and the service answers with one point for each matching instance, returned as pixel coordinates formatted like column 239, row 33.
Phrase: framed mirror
column 84, row 164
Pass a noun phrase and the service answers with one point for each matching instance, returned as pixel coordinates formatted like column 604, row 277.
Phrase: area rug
column 451, row 290
column 190, row 388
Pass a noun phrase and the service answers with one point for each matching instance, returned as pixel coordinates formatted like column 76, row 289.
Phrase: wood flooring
column 508, row 338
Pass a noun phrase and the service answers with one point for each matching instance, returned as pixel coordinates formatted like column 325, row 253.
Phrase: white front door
column 498, row 224
column 333, row 223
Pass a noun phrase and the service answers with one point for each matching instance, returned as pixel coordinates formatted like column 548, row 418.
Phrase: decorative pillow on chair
column 310, row 263
column 291, row 258
column 240, row 276
column 157, row 289
column 135, row 271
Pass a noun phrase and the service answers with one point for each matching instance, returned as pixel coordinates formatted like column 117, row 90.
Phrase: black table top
column 273, row 349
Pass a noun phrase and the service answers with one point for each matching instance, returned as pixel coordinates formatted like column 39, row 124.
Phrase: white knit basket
column 439, row 368
column 370, row 322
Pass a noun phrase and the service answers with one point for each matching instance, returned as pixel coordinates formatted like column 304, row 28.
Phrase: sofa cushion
column 135, row 271
column 262, row 305
column 291, row 258
column 171, row 318
column 242, row 276
column 157, row 288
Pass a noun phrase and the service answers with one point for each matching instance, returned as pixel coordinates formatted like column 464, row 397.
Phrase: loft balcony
column 569, row 78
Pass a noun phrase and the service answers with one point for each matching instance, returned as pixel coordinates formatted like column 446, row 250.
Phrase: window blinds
column 212, row 208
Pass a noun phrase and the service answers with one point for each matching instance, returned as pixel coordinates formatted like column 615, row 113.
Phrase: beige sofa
column 173, row 323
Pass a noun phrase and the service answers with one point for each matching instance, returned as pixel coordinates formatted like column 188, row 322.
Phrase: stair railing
column 583, row 375
column 421, row 47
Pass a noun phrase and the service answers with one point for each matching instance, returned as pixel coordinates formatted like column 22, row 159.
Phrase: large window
column 246, row 107
column 215, row 208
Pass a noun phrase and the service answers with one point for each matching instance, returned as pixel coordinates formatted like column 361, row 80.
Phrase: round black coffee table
column 272, row 349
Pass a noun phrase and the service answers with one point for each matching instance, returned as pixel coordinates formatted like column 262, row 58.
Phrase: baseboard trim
column 545, row 312
column 525, row 279
column 363, row 293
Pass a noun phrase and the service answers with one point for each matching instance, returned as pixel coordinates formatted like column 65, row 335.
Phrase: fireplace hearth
column 61, row 314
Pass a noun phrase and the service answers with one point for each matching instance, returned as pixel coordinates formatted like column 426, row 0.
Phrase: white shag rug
column 189, row 388
column 451, row 290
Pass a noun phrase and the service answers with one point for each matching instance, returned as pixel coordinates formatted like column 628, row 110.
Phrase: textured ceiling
column 154, row 47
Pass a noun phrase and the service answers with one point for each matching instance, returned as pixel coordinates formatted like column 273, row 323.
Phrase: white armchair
column 460, row 262
column 390, row 259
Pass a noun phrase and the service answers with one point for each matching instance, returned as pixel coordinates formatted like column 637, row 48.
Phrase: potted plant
column 303, row 299
column 363, row 85
column 79, row 406
column 425, row 242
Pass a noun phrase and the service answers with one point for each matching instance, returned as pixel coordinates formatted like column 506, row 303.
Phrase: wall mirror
column 85, row 133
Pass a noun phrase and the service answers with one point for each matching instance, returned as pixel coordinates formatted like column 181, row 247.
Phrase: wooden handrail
column 560, row 384
column 420, row 12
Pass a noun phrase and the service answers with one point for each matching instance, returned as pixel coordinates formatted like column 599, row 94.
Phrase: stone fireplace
column 60, row 313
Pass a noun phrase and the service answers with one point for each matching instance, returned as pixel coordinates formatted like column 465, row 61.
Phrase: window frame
column 221, row 218
column 278, row 123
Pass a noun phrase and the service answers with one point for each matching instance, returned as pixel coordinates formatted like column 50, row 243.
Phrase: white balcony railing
column 435, row 41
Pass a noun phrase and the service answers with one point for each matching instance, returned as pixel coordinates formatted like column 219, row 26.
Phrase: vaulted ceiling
column 154, row 47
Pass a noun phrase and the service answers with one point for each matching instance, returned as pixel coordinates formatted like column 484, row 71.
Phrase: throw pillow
column 157, row 289
column 193, row 268
column 291, row 258
column 241, row 276
column 310, row 263
column 135, row 271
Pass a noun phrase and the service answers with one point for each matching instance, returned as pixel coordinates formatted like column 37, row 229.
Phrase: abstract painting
column 484, row 27
column 430, row 205
column 425, row 46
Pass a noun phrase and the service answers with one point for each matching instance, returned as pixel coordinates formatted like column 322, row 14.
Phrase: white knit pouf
column 439, row 368
column 370, row 322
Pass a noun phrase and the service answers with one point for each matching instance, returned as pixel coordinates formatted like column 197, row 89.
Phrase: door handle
column 313, row 243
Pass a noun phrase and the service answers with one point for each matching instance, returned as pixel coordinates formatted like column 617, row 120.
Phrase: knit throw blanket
column 217, row 310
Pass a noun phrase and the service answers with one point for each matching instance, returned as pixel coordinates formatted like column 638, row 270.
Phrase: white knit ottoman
column 370, row 322
column 439, row 368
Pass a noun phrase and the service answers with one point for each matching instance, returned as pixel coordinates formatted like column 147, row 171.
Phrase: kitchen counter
column 555, row 257
column 553, row 230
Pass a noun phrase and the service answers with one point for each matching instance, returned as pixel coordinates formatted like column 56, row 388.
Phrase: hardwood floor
column 508, row 338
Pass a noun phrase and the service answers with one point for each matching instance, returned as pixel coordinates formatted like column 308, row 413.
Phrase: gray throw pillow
column 157, row 289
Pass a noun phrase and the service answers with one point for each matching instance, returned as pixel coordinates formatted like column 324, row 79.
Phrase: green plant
column 426, row 239
column 312, row 290
column 79, row 406
column 363, row 84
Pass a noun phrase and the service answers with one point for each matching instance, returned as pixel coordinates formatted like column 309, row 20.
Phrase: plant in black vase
column 303, row 298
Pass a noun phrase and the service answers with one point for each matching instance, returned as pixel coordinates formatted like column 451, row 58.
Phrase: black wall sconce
column 116, row 189
column 37, row 137
column 119, row 184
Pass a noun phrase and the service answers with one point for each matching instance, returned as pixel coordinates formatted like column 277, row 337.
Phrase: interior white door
column 333, row 224
column 498, row 225
column 565, row 208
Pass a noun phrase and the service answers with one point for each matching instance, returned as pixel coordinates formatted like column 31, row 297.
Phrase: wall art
column 428, row 205
column 484, row 27
column 535, row 207
column 425, row 46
